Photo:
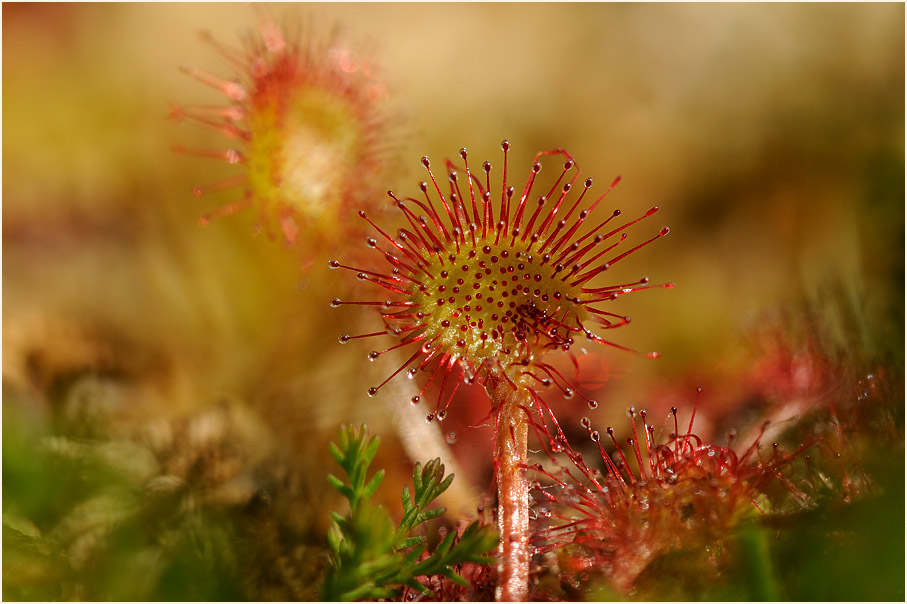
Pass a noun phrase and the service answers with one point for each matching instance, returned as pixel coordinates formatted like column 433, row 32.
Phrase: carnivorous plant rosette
column 311, row 126
column 484, row 280
column 665, row 495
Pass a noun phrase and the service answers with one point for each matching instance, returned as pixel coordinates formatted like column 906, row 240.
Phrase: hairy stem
column 511, row 452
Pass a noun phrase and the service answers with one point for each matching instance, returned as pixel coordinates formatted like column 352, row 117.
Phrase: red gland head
column 485, row 278
column 307, row 120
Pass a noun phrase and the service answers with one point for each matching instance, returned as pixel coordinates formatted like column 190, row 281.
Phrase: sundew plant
column 358, row 302
column 484, row 292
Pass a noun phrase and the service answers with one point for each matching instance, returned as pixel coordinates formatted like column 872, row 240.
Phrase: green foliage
column 371, row 559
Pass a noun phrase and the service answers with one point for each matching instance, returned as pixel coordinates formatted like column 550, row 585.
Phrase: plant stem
column 511, row 454
column 426, row 441
column 758, row 562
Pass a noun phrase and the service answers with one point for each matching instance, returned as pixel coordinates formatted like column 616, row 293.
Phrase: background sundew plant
column 170, row 392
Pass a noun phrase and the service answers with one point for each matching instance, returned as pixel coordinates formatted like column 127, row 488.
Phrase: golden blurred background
column 770, row 135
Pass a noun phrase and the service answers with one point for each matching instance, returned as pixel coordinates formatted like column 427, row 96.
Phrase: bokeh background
column 147, row 359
